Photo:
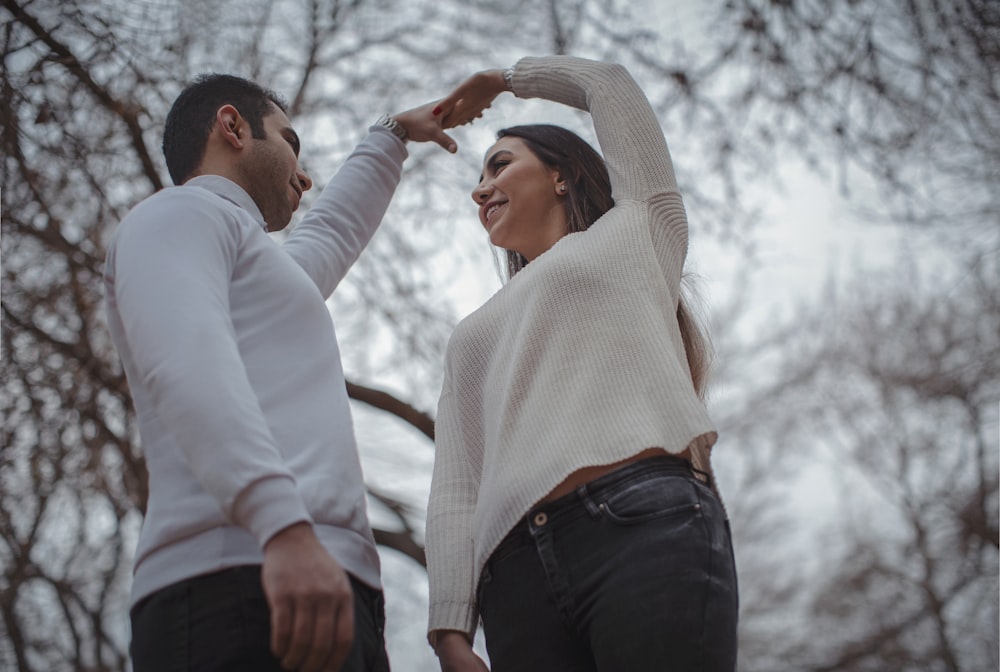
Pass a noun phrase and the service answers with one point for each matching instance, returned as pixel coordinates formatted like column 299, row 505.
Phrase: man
column 256, row 552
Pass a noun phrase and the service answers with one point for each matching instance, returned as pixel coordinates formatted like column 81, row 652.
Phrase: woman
column 572, row 506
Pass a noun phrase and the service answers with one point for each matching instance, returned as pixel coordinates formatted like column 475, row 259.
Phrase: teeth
column 493, row 208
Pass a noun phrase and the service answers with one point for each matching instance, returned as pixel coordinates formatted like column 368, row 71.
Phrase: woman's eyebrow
column 492, row 160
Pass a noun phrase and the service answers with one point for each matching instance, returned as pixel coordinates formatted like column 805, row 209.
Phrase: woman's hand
column 471, row 97
column 455, row 653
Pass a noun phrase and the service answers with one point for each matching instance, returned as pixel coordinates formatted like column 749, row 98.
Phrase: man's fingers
column 445, row 141
column 343, row 634
column 322, row 641
column 307, row 590
column 281, row 628
column 302, row 636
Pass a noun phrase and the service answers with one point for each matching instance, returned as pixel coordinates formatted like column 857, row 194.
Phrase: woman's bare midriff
column 588, row 474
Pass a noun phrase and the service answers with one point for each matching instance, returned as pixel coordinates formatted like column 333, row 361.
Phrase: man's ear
column 232, row 127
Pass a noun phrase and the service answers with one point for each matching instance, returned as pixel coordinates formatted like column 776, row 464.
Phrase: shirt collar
column 229, row 190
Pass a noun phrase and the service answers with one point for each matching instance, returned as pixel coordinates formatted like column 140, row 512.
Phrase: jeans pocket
column 636, row 502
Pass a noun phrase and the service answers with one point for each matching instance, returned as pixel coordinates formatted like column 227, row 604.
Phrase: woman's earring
column 562, row 188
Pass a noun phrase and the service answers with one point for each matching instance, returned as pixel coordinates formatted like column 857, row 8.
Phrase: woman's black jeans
column 221, row 621
column 632, row 572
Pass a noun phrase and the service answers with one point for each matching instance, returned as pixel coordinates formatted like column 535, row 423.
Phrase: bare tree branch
column 129, row 113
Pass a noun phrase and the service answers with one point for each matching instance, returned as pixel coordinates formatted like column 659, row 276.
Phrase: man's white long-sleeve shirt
column 235, row 372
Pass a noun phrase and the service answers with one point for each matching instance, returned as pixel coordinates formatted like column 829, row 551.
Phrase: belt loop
column 588, row 502
column 705, row 476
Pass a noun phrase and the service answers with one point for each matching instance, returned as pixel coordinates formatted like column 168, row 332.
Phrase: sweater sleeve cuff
column 459, row 616
column 269, row 506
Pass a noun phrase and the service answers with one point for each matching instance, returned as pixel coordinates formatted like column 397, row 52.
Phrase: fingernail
column 437, row 110
column 452, row 148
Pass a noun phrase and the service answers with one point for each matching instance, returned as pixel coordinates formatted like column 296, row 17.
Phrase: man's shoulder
column 180, row 196
column 184, row 212
column 178, row 204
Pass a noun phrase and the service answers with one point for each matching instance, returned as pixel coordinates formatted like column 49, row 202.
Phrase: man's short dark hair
column 190, row 120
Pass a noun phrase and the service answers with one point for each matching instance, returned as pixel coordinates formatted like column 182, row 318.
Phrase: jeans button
column 541, row 519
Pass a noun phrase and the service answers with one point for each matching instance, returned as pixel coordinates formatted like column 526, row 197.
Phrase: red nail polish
column 437, row 110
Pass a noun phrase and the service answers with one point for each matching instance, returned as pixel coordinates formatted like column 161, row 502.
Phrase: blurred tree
column 891, row 385
column 902, row 93
column 906, row 92
column 896, row 375
column 910, row 378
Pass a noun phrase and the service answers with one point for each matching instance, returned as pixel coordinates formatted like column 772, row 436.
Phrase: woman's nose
column 481, row 193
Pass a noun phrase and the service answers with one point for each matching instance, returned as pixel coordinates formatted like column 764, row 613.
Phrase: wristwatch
column 394, row 126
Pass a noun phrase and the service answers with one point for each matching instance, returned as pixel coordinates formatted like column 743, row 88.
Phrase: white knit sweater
column 578, row 360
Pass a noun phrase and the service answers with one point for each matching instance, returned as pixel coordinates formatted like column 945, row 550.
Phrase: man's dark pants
column 221, row 621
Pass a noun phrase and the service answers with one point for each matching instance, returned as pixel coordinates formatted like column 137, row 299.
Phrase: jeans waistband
column 659, row 464
column 656, row 465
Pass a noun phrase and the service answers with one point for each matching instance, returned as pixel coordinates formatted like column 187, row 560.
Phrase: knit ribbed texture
column 578, row 360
